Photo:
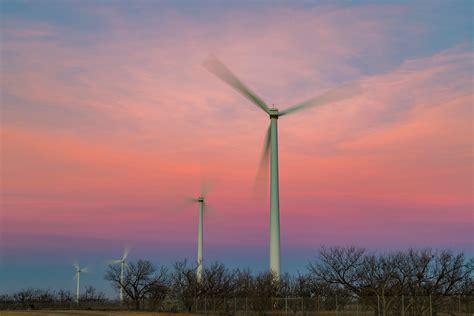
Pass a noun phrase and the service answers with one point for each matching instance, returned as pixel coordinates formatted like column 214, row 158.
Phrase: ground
column 83, row 313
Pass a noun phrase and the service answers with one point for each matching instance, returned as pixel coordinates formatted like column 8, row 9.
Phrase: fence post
column 205, row 305
column 431, row 307
column 235, row 306
column 337, row 309
column 302, row 305
column 286, row 305
column 246, row 303
column 459, row 302
column 357, row 307
column 378, row 305
column 403, row 305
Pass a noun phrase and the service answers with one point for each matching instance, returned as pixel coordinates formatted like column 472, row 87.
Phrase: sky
column 109, row 122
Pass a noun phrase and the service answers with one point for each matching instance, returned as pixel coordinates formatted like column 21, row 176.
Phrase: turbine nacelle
column 273, row 113
column 79, row 269
column 200, row 199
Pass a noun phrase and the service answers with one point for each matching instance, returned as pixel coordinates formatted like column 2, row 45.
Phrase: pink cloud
column 129, row 124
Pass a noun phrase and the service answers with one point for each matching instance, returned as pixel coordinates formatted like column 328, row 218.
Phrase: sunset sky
column 109, row 121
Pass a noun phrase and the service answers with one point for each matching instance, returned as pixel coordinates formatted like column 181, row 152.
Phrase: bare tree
column 218, row 281
column 437, row 274
column 184, row 284
column 64, row 297
column 339, row 266
column 380, row 279
column 380, row 283
column 157, row 295
column 303, row 285
column 26, row 297
column 266, row 286
column 243, row 283
column 141, row 280
column 31, row 298
column 92, row 295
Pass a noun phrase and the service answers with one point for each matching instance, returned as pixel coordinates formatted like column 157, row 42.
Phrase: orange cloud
column 129, row 122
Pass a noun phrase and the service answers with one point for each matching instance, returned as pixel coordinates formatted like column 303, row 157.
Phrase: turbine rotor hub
column 273, row 113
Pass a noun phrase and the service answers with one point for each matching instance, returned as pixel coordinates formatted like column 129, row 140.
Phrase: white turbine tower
column 271, row 141
column 202, row 208
column 123, row 264
column 79, row 270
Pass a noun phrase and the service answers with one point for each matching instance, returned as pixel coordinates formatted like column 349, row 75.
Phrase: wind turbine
column 202, row 207
column 79, row 270
column 122, row 263
column 213, row 65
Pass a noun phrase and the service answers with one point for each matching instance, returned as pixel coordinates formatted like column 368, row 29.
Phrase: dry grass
column 132, row 313
column 88, row 313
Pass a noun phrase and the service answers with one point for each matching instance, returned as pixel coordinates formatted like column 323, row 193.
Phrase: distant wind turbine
column 202, row 208
column 122, row 263
column 79, row 270
column 213, row 65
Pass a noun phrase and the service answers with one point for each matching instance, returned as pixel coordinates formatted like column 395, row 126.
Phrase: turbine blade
column 213, row 65
column 266, row 150
column 208, row 210
column 344, row 92
column 262, row 174
column 126, row 251
column 205, row 187
column 85, row 269
column 182, row 204
column 189, row 200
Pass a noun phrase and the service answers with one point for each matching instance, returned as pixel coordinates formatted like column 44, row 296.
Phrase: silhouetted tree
column 141, row 280
column 184, row 284
column 92, row 295
column 380, row 279
column 218, row 281
column 64, row 297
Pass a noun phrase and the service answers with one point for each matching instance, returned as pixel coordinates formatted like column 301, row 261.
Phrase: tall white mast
column 78, row 273
column 274, row 196
column 200, row 239
column 122, row 266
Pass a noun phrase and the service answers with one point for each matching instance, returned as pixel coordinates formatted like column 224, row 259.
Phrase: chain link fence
column 334, row 305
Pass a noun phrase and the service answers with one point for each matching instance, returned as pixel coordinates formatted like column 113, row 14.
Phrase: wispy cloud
column 126, row 121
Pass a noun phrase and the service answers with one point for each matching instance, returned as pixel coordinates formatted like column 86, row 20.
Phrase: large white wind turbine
column 271, row 141
column 79, row 270
column 122, row 263
column 202, row 208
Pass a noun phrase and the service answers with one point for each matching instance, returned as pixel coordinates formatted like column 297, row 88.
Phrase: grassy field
column 88, row 313
column 132, row 313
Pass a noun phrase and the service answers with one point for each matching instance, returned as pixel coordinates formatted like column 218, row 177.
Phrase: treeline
column 31, row 298
column 348, row 273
